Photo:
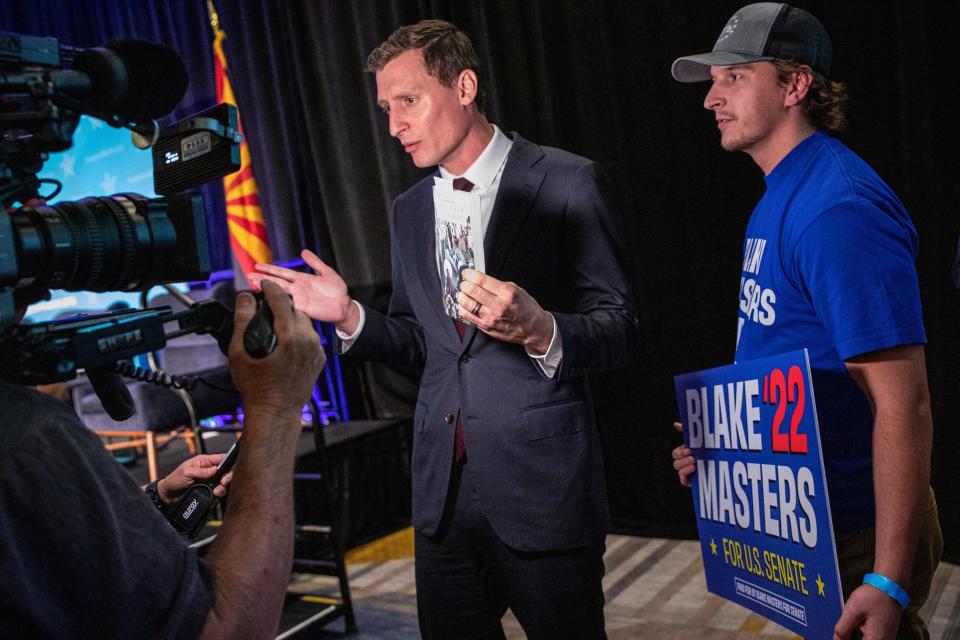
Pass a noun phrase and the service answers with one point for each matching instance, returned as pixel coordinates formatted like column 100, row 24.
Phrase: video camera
column 123, row 242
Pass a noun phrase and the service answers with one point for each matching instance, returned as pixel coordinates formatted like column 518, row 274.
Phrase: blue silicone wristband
column 889, row 587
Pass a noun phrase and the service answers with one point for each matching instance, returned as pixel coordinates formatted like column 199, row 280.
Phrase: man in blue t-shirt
column 828, row 265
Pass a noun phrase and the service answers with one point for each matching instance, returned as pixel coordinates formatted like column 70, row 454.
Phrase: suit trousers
column 467, row 578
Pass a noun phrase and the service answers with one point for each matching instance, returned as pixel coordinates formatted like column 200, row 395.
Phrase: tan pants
column 855, row 555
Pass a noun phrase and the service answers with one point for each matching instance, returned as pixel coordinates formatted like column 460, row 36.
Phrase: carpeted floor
column 654, row 589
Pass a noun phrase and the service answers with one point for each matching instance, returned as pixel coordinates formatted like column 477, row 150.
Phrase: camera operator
column 84, row 553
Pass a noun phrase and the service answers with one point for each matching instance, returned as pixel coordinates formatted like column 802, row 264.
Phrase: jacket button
column 465, row 358
column 448, row 418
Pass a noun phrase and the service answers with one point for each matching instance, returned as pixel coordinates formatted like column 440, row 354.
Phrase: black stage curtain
column 592, row 78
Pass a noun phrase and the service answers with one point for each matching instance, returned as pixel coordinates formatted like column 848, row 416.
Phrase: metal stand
column 312, row 609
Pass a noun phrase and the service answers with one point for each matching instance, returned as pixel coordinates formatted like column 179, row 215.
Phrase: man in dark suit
column 509, row 499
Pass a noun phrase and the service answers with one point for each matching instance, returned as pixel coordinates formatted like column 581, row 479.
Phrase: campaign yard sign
column 759, row 491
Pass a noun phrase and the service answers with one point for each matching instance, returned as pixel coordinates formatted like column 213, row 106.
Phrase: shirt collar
column 485, row 168
column 796, row 155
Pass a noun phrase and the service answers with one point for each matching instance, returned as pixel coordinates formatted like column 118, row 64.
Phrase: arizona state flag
column 248, row 235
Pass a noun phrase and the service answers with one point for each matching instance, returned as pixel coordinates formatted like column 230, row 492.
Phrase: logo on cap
column 728, row 30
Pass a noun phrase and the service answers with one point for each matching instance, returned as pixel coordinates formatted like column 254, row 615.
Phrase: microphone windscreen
column 156, row 78
column 113, row 393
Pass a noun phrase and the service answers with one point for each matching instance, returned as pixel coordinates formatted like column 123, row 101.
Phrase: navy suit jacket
column 531, row 441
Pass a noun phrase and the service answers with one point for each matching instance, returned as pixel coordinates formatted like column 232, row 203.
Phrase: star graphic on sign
column 109, row 183
column 820, row 585
column 713, row 547
column 67, row 164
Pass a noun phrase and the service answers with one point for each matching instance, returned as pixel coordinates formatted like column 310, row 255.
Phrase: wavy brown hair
column 447, row 52
column 827, row 101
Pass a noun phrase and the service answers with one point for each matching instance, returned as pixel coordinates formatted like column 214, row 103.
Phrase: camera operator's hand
column 191, row 471
column 253, row 553
column 322, row 296
column 283, row 380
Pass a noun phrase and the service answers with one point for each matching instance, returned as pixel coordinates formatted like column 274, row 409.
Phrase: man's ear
column 797, row 88
column 467, row 87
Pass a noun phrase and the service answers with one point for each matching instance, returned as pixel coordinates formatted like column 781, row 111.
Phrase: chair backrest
column 192, row 353
column 90, row 411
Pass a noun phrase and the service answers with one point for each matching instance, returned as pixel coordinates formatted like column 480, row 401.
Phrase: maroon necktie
column 459, row 448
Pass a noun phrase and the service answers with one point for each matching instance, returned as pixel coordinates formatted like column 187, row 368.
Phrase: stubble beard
column 741, row 142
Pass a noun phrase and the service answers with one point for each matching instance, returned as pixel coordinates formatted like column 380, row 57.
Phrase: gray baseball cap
column 762, row 31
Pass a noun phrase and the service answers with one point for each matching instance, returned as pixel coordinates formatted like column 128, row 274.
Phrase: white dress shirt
column 485, row 174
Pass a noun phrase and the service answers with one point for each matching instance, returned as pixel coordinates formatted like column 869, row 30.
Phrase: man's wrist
column 889, row 587
column 153, row 492
column 351, row 318
column 541, row 337
column 161, row 493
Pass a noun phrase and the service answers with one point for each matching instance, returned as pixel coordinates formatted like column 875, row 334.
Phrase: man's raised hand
column 322, row 295
column 283, row 380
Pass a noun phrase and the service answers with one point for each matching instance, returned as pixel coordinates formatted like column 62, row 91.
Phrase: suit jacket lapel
column 519, row 186
column 518, row 189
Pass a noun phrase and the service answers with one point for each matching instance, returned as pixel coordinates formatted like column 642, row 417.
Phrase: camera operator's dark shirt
column 83, row 552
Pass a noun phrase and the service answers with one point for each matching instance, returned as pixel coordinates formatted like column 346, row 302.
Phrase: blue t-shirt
column 829, row 265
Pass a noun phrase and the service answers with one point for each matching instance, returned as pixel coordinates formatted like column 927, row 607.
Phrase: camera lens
column 120, row 242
